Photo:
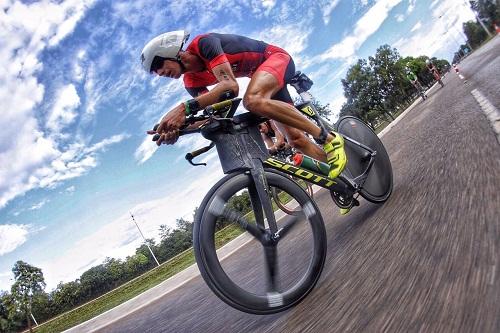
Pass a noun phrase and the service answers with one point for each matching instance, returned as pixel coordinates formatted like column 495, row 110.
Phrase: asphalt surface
column 428, row 260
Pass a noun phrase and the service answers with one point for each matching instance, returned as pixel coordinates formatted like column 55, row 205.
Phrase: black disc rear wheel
column 378, row 186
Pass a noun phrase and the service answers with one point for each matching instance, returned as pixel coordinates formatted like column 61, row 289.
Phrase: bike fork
column 260, row 198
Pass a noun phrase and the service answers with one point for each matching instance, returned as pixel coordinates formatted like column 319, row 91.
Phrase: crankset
column 345, row 202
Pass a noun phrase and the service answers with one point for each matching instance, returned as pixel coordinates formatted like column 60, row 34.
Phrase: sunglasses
column 156, row 64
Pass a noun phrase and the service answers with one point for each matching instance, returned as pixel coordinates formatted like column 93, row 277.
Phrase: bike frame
column 241, row 149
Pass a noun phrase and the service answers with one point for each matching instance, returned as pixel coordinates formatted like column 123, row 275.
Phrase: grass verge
column 132, row 288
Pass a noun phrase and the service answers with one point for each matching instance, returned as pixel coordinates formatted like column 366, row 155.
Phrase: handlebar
column 209, row 112
column 228, row 107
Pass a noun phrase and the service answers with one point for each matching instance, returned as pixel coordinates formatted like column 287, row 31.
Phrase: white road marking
column 489, row 109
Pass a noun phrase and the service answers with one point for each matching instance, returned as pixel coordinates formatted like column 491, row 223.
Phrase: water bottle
column 311, row 164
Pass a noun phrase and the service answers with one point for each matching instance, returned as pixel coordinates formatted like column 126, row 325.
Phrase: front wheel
column 378, row 185
column 265, row 272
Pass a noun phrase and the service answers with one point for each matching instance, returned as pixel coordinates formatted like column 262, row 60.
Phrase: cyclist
column 434, row 71
column 412, row 77
column 217, row 59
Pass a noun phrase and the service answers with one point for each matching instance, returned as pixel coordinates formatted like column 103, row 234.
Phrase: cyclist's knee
column 253, row 102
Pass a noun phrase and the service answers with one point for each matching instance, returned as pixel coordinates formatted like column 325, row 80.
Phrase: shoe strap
column 321, row 139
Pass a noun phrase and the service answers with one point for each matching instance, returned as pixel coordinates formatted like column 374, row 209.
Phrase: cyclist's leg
column 269, row 78
column 297, row 138
column 263, row 85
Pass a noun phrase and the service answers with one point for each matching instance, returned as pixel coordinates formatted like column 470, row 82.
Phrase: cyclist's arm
column 280, row 139
column 267, row 140
column 227, row 82
column 211, row 51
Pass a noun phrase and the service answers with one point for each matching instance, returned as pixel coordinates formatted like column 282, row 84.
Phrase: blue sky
column 75, row 105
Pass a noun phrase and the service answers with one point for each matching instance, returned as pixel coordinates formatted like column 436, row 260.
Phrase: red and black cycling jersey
column 244, row 55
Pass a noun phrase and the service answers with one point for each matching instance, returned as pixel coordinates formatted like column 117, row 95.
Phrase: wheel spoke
column 235, row 216
column 218, row 209
column 271, row 258
column 288, row 226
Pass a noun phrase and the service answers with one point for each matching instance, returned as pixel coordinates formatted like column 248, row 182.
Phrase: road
column 428, row 260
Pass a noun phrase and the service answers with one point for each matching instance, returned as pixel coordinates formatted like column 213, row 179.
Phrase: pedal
column 355, row 202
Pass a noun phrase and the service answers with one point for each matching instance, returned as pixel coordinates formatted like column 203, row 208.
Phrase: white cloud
column 327, row 8
column 64, row 111
column 145, row 150
column 46, row 166
column 417, row 26
column 26, row 30
column 364, row 28
column 12, row 236
column 335, row 105
column 71, row 189
column 400, row 17
column 78, row 69
column 441, row 33
column 73, row 11
column 268, row 4
column 293, row 38
column 411, row 6
column 39, row 205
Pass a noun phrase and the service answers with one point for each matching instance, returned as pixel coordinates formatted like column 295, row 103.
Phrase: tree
column 116, row 270
column 486, row 10
column 94, row 282
column 164, row 231
column 475, row 33
column 29, row 281
column 136, row 264
column 359, row 86
column 66, row 296
column 323, row 110
column 387, row 70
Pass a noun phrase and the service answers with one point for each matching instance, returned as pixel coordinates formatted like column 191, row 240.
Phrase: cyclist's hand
column 169, row 126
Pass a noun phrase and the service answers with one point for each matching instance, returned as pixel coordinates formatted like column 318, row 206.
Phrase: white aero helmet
column 166, row 45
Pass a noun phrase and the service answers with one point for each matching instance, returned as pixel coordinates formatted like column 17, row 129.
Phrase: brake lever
column 189, row 157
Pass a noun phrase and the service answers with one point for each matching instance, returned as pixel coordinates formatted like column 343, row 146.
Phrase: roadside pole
column 150, row 250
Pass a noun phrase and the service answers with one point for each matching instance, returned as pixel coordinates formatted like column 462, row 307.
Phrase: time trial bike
column 279, row 257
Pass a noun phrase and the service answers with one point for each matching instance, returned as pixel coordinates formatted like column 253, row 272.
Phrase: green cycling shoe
column 335, row 155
